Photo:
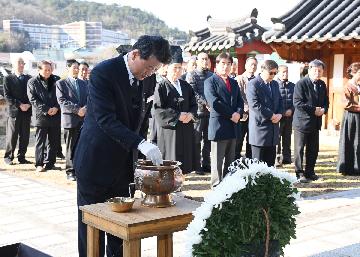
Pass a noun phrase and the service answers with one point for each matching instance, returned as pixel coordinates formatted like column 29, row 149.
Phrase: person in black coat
column 109, row 139
column 19, row 113
column 175, row 112
column 265, row 112
column 226, row 108
column 41, row 91
column 287, row 94
column 196, row 79
column 311, row 103
column 72, row 95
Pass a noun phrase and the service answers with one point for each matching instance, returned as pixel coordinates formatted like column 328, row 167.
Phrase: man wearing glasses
column 265, row 108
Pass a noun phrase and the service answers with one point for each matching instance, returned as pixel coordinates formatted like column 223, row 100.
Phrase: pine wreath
column 250, row 213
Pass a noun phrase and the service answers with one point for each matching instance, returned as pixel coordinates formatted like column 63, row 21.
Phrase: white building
column 71, row 35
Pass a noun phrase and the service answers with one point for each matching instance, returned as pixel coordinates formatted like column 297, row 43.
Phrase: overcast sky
column 191, row 14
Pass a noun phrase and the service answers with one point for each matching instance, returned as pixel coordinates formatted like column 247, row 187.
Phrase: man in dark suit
column 265, row 112
column 72, row 95
column 41, row 91
column 311, row 103
column 226, row 108
column 287, row 94
column 109, row 139
column 19, row 111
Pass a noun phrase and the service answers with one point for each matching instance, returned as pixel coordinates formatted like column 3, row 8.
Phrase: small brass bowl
column 121, row 204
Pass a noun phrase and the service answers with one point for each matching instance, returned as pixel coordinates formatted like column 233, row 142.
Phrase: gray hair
column 316, row 63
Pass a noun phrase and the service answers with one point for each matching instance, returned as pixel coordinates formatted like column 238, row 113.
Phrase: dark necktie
column 317, row 87
column 134, row 82
column 77, row 90
column 269, row 88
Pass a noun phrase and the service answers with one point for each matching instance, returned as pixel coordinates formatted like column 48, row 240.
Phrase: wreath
column 250, row 213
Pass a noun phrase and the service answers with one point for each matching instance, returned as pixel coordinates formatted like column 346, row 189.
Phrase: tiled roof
column 317, row 20
column 224, row 34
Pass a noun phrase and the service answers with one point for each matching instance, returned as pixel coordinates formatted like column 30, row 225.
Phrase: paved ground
column 44, row 217
column 40, row 210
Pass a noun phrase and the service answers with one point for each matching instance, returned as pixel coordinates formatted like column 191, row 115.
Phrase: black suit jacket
column 222, row 105
column 69, row 101
column 42, row 100
column 305, row 103
column 15, row 94
column 104, row 153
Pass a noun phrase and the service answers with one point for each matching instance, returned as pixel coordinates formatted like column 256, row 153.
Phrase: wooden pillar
column 241, row 63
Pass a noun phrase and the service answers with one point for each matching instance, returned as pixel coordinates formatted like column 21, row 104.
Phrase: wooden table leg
column 132, row 248
column 92, row 242
column 165, row 245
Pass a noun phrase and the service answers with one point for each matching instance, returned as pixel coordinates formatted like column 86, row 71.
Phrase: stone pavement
column 45, row 217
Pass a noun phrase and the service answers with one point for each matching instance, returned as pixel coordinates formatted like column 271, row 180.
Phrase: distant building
column 240, row 37
column 321, row 29
column 71, row 35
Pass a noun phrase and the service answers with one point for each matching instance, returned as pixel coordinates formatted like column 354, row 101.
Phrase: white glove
column 151, row 151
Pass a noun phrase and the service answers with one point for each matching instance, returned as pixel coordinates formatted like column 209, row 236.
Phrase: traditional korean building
column 323, row 29
column 239, row 37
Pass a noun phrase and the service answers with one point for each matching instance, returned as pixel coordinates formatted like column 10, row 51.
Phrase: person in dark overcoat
column 109, row 140
column 311, row 102
column 19, row 113
column 265, row 112
column 41, row 91
column 175, row 110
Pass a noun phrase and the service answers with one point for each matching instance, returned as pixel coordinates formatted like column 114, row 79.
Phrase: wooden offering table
column 140, row 222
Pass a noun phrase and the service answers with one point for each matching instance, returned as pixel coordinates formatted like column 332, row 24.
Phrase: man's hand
column 319, row 111
column 288, row 113
column 24, row 107
column 51, row 111
column 276, row 118
column 235, row 117
column 188, row 118
column 82, row 111
column 183, row 116
column 151, row 151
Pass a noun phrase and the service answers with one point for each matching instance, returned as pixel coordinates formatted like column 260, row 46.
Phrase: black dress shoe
column 200, row 172
column 8, row 161
column 71, row 176
column 313, row 177
column 24, row 161
column 51, row 167
column 286, row 162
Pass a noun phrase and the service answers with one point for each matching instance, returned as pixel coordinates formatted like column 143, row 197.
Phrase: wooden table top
column 140, row 215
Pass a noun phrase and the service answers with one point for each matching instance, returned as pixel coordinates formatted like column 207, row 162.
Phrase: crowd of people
column 56, row 103
column 201, row 118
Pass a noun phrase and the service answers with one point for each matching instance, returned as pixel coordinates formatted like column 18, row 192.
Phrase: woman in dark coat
column 349, row 145
column 175, row 110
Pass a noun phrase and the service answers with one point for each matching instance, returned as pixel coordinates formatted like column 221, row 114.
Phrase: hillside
column 133, row 21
